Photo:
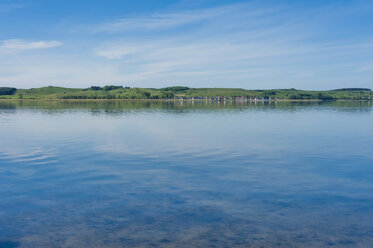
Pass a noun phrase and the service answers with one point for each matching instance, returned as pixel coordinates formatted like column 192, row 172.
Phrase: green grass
column 52, row 92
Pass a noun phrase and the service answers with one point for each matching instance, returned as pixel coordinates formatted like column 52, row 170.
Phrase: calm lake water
column 137, row 174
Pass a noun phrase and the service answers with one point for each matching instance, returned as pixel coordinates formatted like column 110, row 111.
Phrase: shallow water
column 137, row 174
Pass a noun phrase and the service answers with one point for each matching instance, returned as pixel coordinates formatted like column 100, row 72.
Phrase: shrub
column 112, row 87
column 7, row 91
column 95, row 88
column 175, row 88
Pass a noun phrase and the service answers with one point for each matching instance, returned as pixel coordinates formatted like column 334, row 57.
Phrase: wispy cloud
column 14, row 45
column 154, row 22
column 217, row 60
column 5, row 8
column 239, row 40
column 160, row 21
column 365, row 68
column 121, row 51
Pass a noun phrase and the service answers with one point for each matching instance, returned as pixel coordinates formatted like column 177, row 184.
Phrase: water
column 137, row 174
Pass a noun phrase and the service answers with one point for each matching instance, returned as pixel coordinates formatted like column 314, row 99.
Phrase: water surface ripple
column 165, row 174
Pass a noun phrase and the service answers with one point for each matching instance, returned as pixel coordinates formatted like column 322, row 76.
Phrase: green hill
column 178, row 92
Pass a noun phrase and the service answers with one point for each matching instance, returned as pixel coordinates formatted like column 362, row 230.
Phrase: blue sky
column 248, row 44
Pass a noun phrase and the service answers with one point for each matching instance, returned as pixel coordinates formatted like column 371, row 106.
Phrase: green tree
column 146, row 95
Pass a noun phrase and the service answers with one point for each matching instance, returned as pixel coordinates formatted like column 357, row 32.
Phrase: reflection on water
column 172, row 174
column 126, row 106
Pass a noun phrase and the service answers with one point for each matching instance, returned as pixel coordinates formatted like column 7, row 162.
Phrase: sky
column 262, row 44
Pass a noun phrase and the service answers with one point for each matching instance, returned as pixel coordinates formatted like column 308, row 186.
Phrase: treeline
column 106, row 88
column 318, row 96
column 120, row 92
column 176, row 88
column 331, row 95
column 7, row 91
column 132, row 95
column 353, row 89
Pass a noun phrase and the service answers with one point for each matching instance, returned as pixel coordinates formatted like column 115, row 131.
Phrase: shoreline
column 181, row 100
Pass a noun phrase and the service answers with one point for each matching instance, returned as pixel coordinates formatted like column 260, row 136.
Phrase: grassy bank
column 179, row 92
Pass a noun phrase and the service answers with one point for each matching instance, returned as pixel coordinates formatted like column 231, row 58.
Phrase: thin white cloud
column 118, row 52
column 365, row 68
column 214, row 59
column 156, row 22
column 5, row 8
column 150, row 23
column 14, row 45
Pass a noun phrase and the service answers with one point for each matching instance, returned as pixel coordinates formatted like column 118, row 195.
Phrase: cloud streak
column 14, row 45
column 160, row 21
column 5, row 8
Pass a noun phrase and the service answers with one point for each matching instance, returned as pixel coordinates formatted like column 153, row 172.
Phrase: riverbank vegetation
column 183, row 92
